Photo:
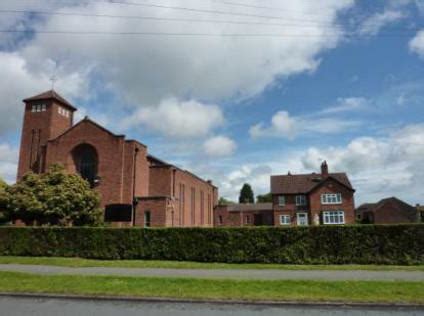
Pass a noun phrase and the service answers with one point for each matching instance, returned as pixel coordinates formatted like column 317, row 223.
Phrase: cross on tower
column 53, row 79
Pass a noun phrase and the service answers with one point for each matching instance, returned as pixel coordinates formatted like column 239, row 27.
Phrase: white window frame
column 301, row 199
column 285, row 220
column 281, row 200
column 333, row 217
column 331, row 198
column 298, row 219
column 247, row 220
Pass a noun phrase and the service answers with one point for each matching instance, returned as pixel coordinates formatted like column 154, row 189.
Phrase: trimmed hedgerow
column 368, row 244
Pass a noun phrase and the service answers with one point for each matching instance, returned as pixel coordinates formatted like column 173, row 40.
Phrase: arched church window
column 86, row 162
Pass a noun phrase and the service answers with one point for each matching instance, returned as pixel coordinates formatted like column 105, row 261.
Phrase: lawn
column 80, row 262
column 313, row 291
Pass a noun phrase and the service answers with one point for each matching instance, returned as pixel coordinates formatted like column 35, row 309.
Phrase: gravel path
column 222, row 274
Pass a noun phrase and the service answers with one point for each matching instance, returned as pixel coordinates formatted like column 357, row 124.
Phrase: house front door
column 302, row 219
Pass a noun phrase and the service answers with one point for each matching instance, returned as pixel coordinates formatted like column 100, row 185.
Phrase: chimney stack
column 324, row 168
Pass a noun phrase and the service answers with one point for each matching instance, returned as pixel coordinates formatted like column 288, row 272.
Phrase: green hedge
column 367, row 244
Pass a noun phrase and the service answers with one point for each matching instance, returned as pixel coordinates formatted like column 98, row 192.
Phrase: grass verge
column 312, row 291
column 80, row 262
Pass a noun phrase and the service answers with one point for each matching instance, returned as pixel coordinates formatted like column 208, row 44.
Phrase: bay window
column 333, row 217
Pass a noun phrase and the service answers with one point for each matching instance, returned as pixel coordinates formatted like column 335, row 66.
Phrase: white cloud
column 179, row 119
column 373, row 24
column 416, row 45
column 99, row 118
column 286, row 126
column 219, row 146
column 258, row 176
column 346, row 105
column 147, row 69
column 20, row 83
column 379, row 167
column 8, row 162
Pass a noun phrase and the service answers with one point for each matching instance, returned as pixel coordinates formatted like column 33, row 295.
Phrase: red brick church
column 136, row 188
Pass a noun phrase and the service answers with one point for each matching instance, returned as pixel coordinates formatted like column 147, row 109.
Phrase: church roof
column 48, row 95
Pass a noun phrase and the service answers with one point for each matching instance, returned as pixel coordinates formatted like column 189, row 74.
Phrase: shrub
column 4, row 199
column 397, row 244
column 54, row 198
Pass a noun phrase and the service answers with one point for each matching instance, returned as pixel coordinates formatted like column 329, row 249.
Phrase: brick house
column 313, row 199
column 236, row 215
column 135, row 187
column 387, row 211
column 297, row 200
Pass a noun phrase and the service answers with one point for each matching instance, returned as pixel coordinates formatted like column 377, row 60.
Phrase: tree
column 54, row 198
column 224, row 201
column 265, row 198
column 4, row 199
column 246, row 194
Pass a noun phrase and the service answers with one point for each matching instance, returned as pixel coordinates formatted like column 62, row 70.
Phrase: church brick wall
column 122, row 171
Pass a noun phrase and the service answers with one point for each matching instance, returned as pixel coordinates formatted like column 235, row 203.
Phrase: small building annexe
column 297, row 200
column 388, row 211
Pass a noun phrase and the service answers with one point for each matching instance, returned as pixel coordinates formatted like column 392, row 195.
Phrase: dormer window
column 300, row 200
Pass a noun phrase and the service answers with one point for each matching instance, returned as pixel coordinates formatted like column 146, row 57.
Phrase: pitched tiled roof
column 304, row 183
column 366, row 207
column 51, row 94
column 387, row 203
column 249, row 207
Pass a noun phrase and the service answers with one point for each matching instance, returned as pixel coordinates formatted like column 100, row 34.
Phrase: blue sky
column 336, row 80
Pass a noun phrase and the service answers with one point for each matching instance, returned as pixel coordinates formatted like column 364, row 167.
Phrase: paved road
column 14, row 306
column 227, row 274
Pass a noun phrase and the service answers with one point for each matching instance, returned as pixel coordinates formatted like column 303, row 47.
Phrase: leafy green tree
column 224, row 201
column 246, row 194
column 54, row 198
column 264, row 198
column 4, row 199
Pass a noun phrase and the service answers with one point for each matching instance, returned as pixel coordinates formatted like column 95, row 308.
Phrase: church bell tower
column 46, row 116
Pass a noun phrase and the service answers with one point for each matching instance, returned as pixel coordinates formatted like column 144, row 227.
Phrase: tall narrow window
column 193, row 207
column 86, row 162
column 281, row 200
column 209, row 209
column 147, row 219
column 202, row 208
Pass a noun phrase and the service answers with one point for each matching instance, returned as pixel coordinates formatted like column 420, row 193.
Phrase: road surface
column 16, row 306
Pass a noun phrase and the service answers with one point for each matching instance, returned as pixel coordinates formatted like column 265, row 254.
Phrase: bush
column 400, row 244
column 54, row 198
column 4, row 199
